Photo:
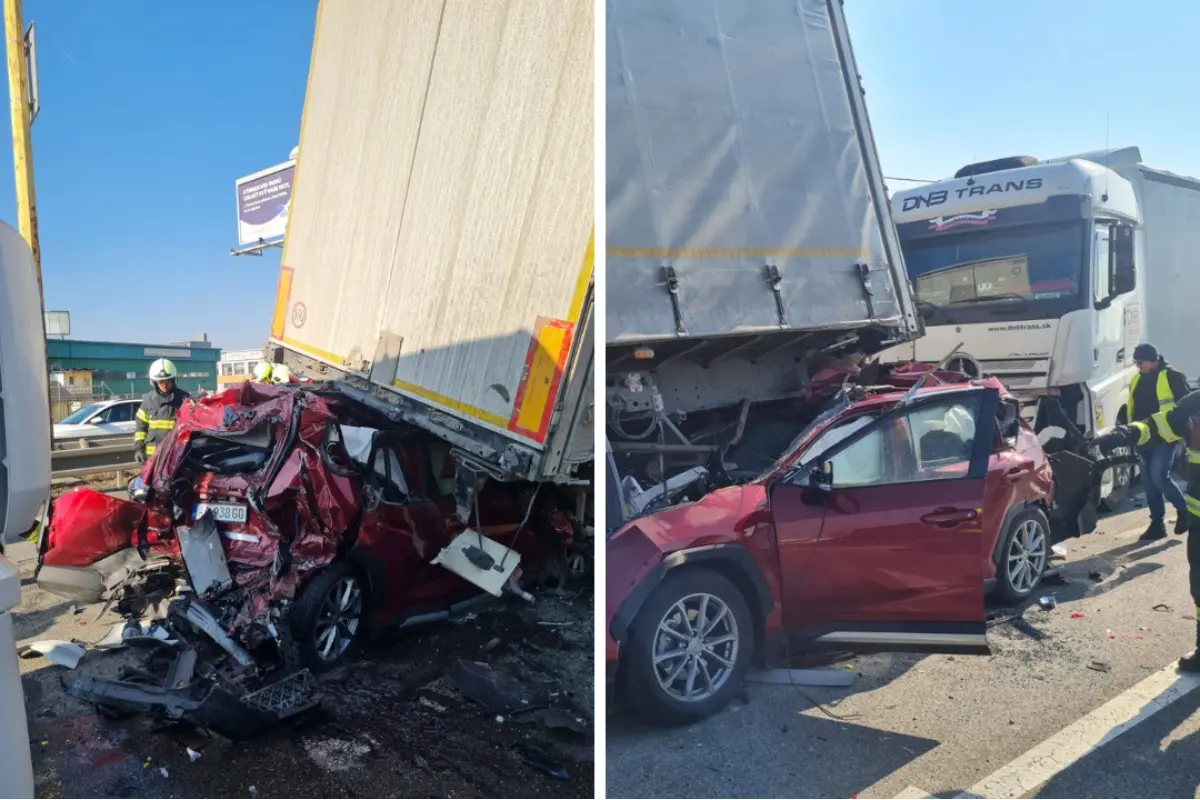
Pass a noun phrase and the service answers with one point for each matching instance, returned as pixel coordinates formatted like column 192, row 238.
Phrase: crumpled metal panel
column 736, row 145
column 87, row 526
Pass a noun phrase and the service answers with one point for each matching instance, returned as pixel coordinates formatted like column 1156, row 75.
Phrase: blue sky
column 149, row 113
column 950, row 82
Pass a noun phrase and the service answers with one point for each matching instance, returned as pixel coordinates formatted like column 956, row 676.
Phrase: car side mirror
column 818, row 485
column 1123, row 275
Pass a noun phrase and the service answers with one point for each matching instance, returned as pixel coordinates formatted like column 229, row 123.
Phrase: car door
column 402, row 530
column 879, row 533
column 119, row 418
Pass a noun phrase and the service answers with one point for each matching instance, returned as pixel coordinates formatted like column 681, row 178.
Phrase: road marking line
column 1085, row 735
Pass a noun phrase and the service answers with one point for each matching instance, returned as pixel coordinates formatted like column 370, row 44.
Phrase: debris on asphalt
column 557, row 719
column 497, row 690
column 1048, row 601
column 1161, row 607
column 1076, row 615
column 192, row 754
column 839, row 678
column 1058, row 550
column 540, row 761
column 65, row 654
column 164, row 772
column 1096, row 576
column 1099, row 666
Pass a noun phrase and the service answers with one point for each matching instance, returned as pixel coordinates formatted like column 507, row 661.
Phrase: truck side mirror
column 1123, row 277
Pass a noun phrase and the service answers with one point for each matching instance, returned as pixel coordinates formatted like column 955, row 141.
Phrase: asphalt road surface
column 394, row 724
column 1079, row 701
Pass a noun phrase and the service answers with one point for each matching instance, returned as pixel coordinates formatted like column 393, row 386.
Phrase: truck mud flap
column 1076, row 495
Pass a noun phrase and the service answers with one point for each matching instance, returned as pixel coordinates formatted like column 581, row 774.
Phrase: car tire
column 1027, row 537
column 649, row 688
column 335, row 599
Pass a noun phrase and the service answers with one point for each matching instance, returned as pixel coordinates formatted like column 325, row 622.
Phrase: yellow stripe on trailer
column 584, row 281
column 450, row 403
column 283, row 296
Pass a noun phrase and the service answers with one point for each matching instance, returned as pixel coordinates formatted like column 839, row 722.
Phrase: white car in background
column 108, row 418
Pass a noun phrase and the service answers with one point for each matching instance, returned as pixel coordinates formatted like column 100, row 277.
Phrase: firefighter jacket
column 156, row 417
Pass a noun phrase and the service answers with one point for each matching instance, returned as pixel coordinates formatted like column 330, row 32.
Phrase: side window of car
column 931, row 442
column 389, row 477
column 122, row 412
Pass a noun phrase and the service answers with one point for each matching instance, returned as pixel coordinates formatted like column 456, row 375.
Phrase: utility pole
column 22, row 119
column 23, row 104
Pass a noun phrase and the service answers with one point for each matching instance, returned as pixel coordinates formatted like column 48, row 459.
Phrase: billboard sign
column 263, row 200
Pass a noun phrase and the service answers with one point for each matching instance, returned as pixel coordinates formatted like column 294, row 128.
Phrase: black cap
column 1145, row 352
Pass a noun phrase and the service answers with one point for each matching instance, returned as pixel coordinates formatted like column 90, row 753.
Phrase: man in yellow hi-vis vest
column 1157, row 386
column 1180, row 424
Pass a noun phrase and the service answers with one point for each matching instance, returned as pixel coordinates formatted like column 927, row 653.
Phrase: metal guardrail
column 93, row 456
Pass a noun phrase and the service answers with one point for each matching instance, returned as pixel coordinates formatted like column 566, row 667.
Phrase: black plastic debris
column 500, row 692
column 1099, row 666
column 557, row 719
column 543, row 763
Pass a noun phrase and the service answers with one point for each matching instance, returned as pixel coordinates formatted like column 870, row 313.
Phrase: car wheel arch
column 1016, row 508
column 732, row 561
column 375, row 574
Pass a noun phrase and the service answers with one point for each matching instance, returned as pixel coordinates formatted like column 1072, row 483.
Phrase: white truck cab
column 24, row 479
column 1028, row 271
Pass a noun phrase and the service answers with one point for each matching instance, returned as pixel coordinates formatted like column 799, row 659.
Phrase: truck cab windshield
column 1018, row 264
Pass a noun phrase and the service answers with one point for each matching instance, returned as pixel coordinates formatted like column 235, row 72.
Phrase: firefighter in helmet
column 160, row 405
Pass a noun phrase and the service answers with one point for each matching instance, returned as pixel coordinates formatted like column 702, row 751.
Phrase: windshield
column 80, row 415
column 1027, row 262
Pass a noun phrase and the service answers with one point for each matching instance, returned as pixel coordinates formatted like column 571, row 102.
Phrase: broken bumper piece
column 203, row 702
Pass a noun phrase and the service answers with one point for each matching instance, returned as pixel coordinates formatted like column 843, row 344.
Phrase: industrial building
column 238, row 366
column 85, row 370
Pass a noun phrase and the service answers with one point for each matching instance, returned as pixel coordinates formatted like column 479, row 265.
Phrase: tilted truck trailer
column 24, row 478
column 439, row 247
column 1047, row 274
column 749, row 236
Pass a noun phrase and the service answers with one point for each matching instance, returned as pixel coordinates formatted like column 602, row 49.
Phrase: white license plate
column 222, row 512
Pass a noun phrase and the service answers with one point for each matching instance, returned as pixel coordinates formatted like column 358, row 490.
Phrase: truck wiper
column 987, row 298
column 933, row 308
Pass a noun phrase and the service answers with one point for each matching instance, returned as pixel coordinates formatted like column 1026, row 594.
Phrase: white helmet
column 262, row 372
column 163, row 370
column 281, row 374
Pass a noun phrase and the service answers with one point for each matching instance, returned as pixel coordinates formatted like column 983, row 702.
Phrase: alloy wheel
column 695, row 647
column 338, row 619
column 1027, row 556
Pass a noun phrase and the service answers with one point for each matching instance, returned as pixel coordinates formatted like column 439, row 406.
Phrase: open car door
column 879, row 527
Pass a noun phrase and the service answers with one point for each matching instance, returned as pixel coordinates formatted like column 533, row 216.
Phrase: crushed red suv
column 280, row 523
column 879, row 529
